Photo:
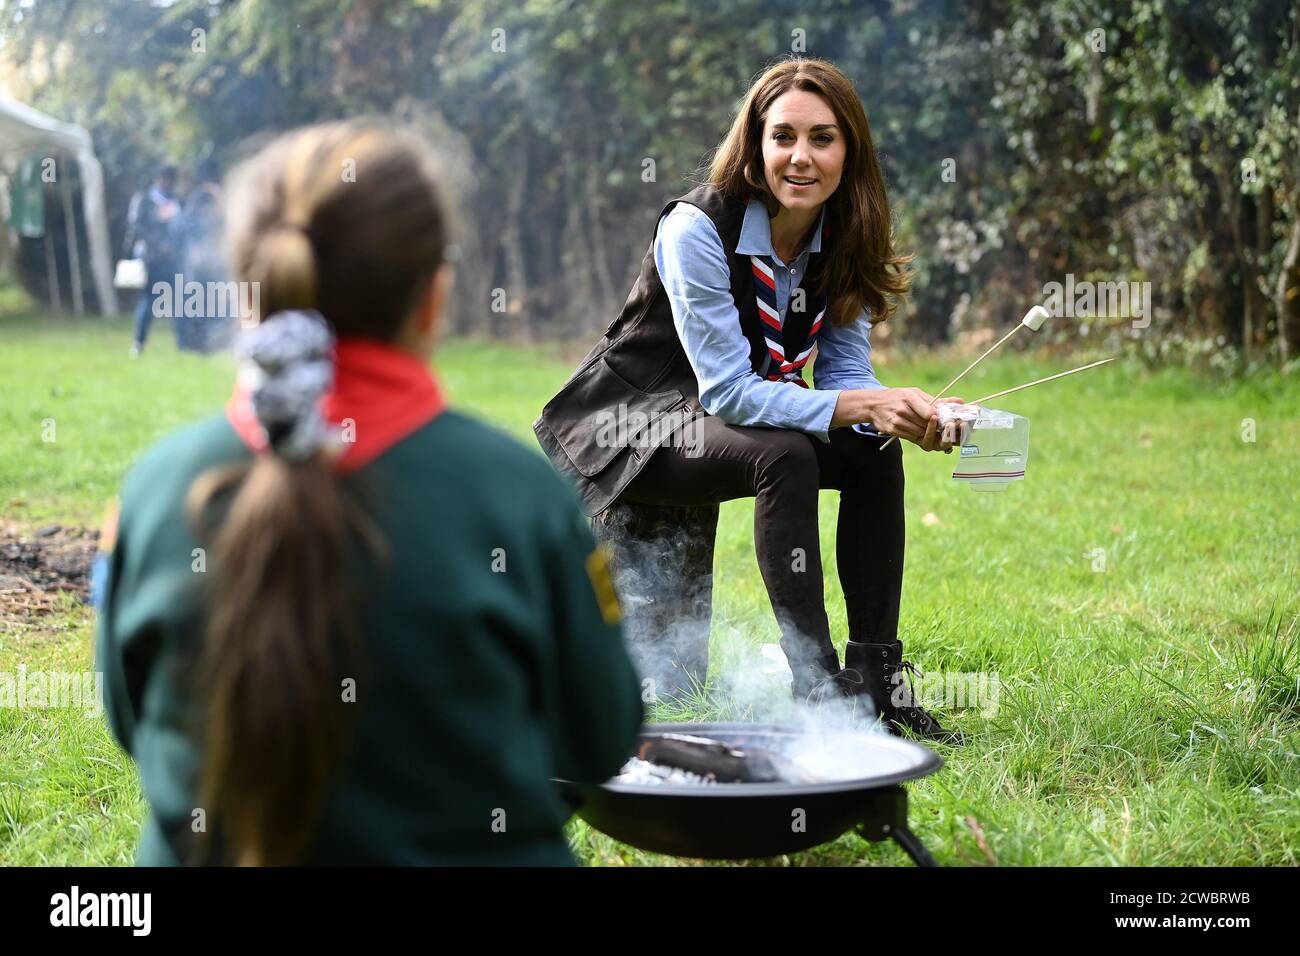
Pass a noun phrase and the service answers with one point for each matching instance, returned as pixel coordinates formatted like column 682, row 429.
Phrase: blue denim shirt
column 693, row 269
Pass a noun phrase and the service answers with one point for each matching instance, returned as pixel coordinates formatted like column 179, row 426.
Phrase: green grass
column 13, row 299
column 1149, row 712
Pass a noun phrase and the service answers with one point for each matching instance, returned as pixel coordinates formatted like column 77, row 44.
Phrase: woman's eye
column 823, row 139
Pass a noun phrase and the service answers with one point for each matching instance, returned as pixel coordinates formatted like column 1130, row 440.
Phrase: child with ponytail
column 342, row 623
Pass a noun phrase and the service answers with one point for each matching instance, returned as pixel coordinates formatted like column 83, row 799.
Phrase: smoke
column 663, row 572
column 825, row 730
column 752, row 683
column 662, row 561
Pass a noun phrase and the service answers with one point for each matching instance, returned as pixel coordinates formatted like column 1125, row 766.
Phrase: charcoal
column 713, row 759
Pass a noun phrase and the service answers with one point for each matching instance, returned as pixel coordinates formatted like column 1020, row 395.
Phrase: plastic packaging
column 994, row 445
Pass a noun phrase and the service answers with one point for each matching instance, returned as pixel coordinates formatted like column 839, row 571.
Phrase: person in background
column 199, row 230
column 150, row 236
column 343, row 623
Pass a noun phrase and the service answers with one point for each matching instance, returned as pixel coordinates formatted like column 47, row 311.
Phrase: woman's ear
column 433, row 305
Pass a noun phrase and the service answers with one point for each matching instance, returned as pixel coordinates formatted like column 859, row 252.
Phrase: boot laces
column 909, row 668
column 850, row 675
column 824, row 685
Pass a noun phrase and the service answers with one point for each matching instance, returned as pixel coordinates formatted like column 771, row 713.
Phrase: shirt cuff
column 819, row 423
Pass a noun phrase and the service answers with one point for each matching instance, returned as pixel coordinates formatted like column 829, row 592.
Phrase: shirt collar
column 756, row 231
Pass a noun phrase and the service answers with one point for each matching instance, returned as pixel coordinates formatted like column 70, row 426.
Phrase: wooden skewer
column 1081, row 368
column 1013, row 331
column 1033, row 320
column 943, row 391
column 1008, row 391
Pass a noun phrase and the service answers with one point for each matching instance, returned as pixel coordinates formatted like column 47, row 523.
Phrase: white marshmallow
column 1035, row 318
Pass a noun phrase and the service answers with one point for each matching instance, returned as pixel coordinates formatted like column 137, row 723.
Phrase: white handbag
column 130, row 274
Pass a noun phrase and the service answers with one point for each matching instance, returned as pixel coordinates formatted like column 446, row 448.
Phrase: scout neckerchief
column 381, row 395
column 788, row 358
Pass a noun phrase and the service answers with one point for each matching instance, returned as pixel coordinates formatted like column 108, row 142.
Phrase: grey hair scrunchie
column 286, row 364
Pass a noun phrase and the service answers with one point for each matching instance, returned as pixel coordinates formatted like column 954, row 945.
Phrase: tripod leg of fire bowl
column 912, row 846
column 884, row 817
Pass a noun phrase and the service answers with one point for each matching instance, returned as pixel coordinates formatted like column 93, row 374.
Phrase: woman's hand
column 933, row 439
column 894, row 411
column 904, row 412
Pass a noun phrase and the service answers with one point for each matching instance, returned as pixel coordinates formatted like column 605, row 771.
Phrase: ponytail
column 287, row 266
column 279, row 619
column 271, row 665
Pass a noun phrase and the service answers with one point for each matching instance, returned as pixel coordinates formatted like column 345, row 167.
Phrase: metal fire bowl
column 750, row 820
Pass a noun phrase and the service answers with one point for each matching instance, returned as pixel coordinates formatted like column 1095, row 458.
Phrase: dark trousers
column 664, row 522
column 159, row 270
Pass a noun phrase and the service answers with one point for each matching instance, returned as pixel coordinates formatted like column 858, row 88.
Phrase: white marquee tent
column 25, row 132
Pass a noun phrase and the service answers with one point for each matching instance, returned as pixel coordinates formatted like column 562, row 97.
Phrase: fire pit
column 713, row 819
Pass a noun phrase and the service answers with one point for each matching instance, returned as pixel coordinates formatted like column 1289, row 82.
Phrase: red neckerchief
column 787, row 362
column 385, row 392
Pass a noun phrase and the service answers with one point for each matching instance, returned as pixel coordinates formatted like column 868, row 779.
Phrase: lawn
column 1136, row 596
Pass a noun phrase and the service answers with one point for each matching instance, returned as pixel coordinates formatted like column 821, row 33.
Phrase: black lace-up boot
column 810, row 683
column 882, row 671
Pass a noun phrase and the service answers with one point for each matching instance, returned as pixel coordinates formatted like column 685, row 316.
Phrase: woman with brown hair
column 342, row 622
column 695, row 395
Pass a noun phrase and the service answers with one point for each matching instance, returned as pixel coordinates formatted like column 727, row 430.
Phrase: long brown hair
column 864, row 271
column 344, row 219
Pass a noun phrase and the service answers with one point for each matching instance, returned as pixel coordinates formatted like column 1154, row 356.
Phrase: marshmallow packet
column 994, row 444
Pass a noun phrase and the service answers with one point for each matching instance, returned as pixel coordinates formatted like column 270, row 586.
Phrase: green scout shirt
column 476, row 685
